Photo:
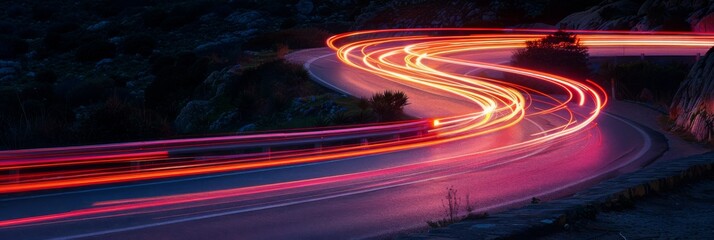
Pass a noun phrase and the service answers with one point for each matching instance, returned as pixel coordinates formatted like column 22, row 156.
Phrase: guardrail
column 48, row 164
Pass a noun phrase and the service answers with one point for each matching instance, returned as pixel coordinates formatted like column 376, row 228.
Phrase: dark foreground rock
column 693, row 106
column 621, row 193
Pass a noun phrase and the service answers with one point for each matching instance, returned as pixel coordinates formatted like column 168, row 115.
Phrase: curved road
column 353, row 197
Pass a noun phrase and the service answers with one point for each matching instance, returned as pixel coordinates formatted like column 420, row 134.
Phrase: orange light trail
column 414, row 57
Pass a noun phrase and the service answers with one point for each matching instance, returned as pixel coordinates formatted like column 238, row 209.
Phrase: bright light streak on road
column 421, row 58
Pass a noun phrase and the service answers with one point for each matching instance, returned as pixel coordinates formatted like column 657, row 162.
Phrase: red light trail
column 422, row 58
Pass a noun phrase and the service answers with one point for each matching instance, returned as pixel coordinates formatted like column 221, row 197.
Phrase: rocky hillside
column 693, row 106
column 464, row 13
column 649, row 15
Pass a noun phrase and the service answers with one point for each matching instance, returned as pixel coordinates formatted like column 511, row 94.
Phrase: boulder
column 98, row 26
column 207, row 110
column 706, row 24
column 247, row 19
column 650, row 15
column 225, row 120
column 612, row 15
column 692, row 108
column 9, row 70
column 191, row 116
column 247, row 128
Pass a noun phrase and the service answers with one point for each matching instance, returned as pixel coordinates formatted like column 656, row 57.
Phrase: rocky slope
column 693, row 106
column 649, row 15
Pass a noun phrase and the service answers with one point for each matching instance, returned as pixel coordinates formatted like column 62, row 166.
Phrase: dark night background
column 79, row 72
column 83, row 72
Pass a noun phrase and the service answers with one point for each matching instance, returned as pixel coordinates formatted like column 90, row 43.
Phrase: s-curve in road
column 500, row 143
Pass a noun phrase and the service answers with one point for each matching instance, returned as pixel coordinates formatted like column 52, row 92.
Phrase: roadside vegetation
column 559, row 53
column 453, row 205
column 649, row 81
column 389, row 105
column 110, row 71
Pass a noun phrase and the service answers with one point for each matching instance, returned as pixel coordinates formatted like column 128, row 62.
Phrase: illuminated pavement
column 359, row 196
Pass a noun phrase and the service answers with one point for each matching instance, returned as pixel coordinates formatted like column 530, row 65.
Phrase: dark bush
column 117, row 120
column 269, row 88
column 53, row 41
column 95, row 51
column 110, row 8
column 83, row 92
column 154, row 17
column 40, row 130
column 42, row 12
column 288, row 23
column 63, row 27
column 389, row 105
column 119, row 80
column 12, row 47
column 16, row 11
column 294, row 38
column 9, row 104
column 185, row 13
column 66, row 36
column 176, row 78
column 46, row 76
column 7, row 28
column 141, row 44
column 39, row 91
column 559, row 53
column 222, row 10
column 28, row 32
column 646, row 81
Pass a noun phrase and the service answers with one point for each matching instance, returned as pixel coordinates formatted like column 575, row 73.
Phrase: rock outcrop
column 208, row 110
column 693, row 106
column 9, row 70
column 650, row 15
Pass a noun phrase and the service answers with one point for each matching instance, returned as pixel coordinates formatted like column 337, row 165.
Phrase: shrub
column 269, row 88
column 28, row 32
column 16, row 11
column 176, row 78
column 61, row 37
column 178, row 16
column 141, row 44
column 11, row 47
column 636, row 80
column 42, row 12
column 389, row 105
column 38, row 91
column 110, row 8
column 95, row 51
column 46, row 76
column 83, row 92
column 63, row 27
column 7, row 28
column 117, row 120
column 154, row 17
column 296, row 38
column 33, row 131
column 452, row 206
column 9, row 101
column 559, row 53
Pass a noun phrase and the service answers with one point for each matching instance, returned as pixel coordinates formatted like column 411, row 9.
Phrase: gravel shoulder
column 685, row 213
